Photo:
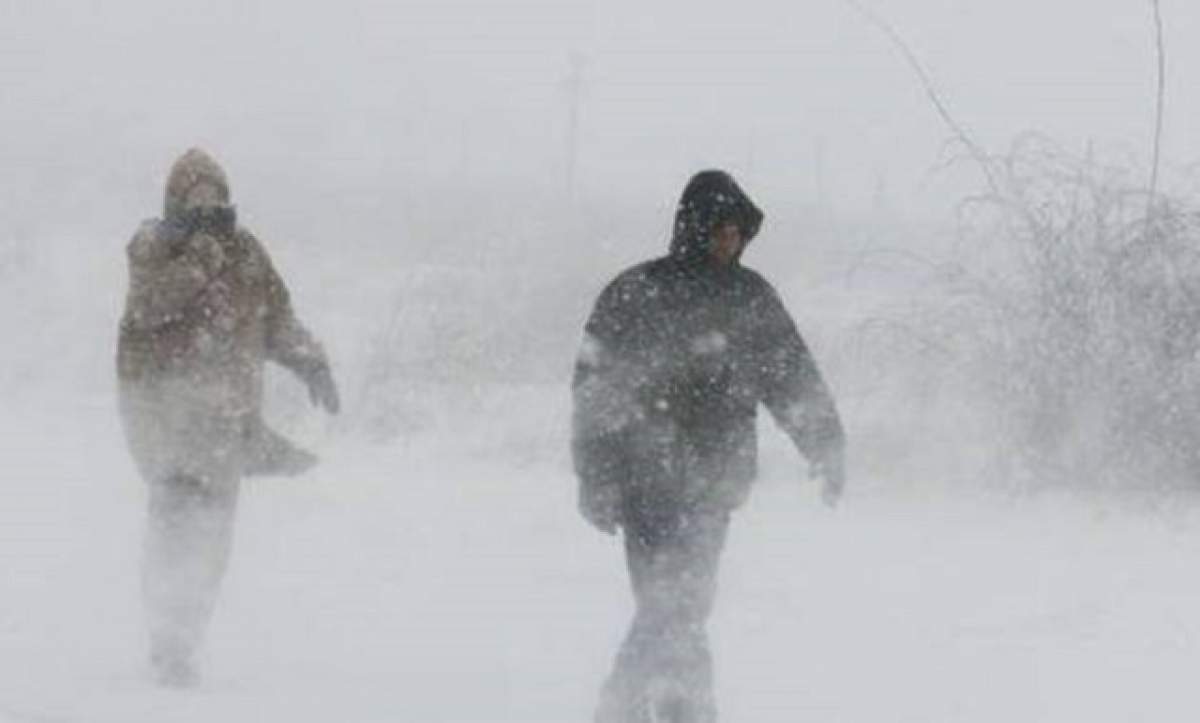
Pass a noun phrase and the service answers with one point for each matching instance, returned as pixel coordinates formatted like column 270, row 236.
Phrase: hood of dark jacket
column 711, row 198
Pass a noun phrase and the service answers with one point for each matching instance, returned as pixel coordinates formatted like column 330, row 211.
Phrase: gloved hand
column 601, row 506
column 322, row 390
column 831, row 469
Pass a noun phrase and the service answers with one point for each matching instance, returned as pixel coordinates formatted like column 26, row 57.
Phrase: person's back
column 676, row 357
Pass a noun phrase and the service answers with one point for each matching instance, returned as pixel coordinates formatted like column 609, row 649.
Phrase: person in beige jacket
column 204, row 311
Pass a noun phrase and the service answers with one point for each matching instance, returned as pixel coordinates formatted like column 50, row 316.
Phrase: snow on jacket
column 676, row 357
column 204, row 310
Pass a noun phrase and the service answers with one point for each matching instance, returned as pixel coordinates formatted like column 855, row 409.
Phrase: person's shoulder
column 146, row 242
column 759, row 295
column 248, row 242
column 253, row 257
column 755, row 282
column 635, row 280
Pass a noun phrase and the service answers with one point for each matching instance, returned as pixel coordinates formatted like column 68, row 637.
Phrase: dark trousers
column 189, row 534
column 663, row 671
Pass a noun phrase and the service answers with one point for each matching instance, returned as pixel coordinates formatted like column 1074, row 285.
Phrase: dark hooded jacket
column 205, row 309
column 676, row 357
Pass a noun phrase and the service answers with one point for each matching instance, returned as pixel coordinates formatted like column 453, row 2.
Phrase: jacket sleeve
column 288, row 342
column 790, row 385
column 602, row 396
column 164, row 279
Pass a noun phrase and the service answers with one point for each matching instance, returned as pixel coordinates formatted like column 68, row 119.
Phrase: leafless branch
column 931, row 91
column 1160, row 98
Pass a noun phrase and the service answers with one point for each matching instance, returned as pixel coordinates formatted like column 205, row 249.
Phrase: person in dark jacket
column 676, row 357
column 204, row 311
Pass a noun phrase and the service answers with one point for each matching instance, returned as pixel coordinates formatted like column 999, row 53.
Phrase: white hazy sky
column 366, row 98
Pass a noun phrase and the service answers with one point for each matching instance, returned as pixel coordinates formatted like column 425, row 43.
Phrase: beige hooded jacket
column 205, row 309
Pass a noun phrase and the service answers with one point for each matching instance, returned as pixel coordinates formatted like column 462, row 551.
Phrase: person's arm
column 793, row 390
column 602, row 406
column 165, row 277
column 289, row 343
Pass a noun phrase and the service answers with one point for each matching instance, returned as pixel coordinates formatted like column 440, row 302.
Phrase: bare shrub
column 1069, row 316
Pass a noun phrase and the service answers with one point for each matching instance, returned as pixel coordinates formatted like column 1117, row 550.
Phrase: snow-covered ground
column 446, row 577
column 442, row 573
column 446, row 186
